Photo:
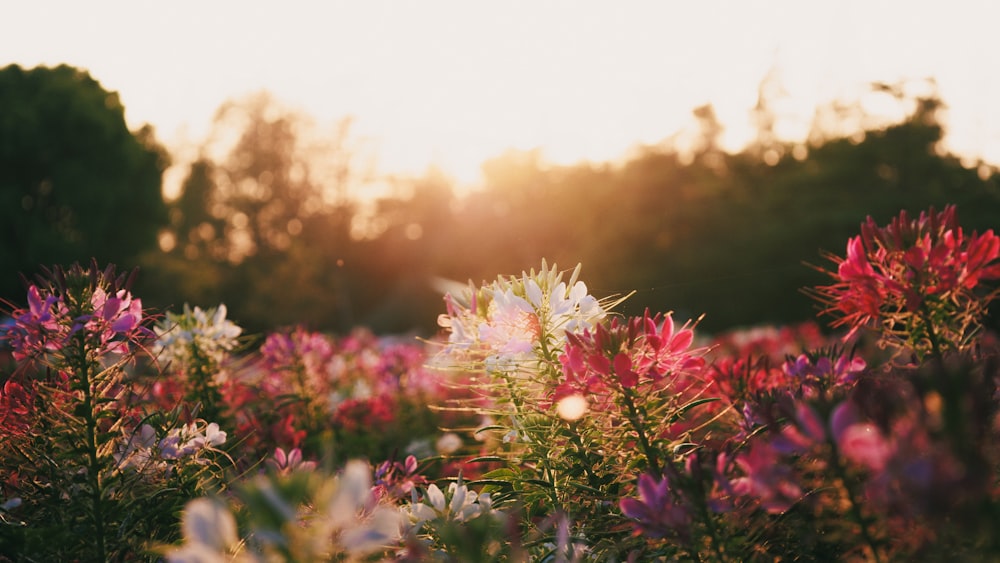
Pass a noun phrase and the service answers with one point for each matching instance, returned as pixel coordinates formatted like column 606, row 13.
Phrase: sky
column 450, row 84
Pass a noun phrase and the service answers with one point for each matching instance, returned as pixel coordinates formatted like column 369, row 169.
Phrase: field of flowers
column 540, row 425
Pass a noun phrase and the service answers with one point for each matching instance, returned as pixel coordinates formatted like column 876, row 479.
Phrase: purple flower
column 658, row 512
column 771, row 482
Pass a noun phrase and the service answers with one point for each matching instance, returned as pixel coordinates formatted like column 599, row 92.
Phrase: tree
column 75, row 183
column 262, row 222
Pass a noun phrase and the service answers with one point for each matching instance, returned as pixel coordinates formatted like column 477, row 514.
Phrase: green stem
column 581, row 450
column 93, row 461
column 932, row 335
column 633, row 418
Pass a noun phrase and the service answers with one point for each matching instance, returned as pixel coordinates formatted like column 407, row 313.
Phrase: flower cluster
column 141, row 450
column 915, row 279
column 506, row 322
column 458, row 504
column 195, row 334
column 641, row 355
column 94, row 309
column 546, row 428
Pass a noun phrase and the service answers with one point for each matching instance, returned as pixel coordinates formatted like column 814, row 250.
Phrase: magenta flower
column 824, row 371
column 659, row 512
column 395, row 479
column 310, row 350
column 116, row 319
column 41, row 328
column 768, row 478
column 641, row 351
column 860, row 441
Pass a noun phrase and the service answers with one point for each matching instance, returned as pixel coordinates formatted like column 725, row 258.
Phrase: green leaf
column 486, row 459
column 685, row 408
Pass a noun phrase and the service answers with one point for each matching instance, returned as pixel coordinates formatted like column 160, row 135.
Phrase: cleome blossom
column 505, row 324
column 203, row 332
column 910, row 272
column 458, row 503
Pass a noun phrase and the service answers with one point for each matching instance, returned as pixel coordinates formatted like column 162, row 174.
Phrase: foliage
column 95, row 474
column 75, row 183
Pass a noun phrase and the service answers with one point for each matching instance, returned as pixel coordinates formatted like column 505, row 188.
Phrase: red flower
column 897, row 275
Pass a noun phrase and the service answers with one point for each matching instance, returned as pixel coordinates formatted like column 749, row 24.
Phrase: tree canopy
column 75, row 183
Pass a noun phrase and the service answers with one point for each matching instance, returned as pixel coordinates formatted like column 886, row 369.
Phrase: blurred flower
column 17, row 407
column 448, row 443
column 572, row 407
column 659, row 512
column 285, row 463
column 363, row 525
column 209, row 532
column 190, row 440
column 768, row 478
column 395, row 479
column 823, row 371
column 864, row 445
column 205, row 333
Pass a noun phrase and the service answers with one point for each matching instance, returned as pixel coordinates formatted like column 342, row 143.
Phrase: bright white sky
column 452, row 83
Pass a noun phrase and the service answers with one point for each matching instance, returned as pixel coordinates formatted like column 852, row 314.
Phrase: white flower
column 190, row 439
column 448, row 443
column 364, row 527
column 575, row 310
column 214, row 436
column 508, row 323
column 205, row 332
column 208, row 523
column 459, row 504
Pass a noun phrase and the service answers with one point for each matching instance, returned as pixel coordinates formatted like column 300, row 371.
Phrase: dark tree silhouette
column 75, row 183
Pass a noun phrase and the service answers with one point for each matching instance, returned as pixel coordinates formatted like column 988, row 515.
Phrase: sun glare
column 450, row 84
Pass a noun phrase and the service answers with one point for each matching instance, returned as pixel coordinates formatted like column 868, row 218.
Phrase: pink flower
column 864, row 445
column 395, row 479
column 642, row 351
column 285, row 463
column 115, row 319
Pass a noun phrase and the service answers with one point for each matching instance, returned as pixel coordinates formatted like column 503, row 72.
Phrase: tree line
column 266, row 224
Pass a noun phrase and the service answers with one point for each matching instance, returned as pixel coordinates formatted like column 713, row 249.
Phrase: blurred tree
column 198, row 232
column 415, row 246
column 75, row 183
column 258, row 228
column 698, row 231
